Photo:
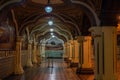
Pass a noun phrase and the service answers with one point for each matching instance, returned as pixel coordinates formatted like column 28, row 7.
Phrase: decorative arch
column 54, row 31
column 48, row 36
column 46, row 15
column 57, row 27
column 89, row 11
column 9, row 2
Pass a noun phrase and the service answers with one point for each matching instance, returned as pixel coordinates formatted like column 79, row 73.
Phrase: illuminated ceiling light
column 48, row 8
column 51, row 33
column 53, row 36
column 50, row 22
column 51, row 30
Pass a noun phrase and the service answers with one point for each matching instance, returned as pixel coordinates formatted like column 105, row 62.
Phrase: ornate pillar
column 75, row 54
column 71, row 50
column 68, row 51
column 76, row 60
column 35, row 53
column 105, row 52
column 18, row 65
column 43, row 50
column 29, row 60
column 87, row 52
column 38, row 54
column 85, row 65
column 65, row 51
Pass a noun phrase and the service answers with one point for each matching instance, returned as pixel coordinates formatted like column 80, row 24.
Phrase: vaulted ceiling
column 71, row 17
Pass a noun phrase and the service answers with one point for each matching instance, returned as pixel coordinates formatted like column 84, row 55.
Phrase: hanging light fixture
column 48, row 8
column 50, row 22
column 51, row 33
column 53, row 36
column 51, row 30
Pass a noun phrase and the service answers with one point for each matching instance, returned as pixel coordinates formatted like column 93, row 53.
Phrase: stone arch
column 92, row 15
column 45, row 15
column 55, row 26
column 9, row 3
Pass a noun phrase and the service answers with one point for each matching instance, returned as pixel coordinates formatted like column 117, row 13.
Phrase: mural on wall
column 4, row 37
column 7, row 36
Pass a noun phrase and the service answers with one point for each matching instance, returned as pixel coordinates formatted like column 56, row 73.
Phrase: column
column 71, row 50
column 87, row 52
column 68, row 51
column 75, row 54
column 65, row 51
column 38, row 55
column 18, row 65
column 105, row 52
column 29, row 60
column 85, row 65
column 72, row 53
column 43, row 50
column 35, row 53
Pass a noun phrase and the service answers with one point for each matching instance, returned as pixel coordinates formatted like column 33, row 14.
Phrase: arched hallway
column 59, row 39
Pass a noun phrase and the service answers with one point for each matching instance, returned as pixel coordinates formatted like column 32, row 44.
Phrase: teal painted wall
column 54, row 53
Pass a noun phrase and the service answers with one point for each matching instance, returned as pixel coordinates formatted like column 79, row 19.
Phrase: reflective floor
column 55, row 69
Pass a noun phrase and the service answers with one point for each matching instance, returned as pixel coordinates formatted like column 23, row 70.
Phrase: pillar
column 35, row 53
column 29, row 60
column 65, row 51
column 38, row 54
column 43, row 49
column 85, row 65
column 18, row 65
column 75, row 54
column 105, row 52
column 70, row 50
column 87, row 52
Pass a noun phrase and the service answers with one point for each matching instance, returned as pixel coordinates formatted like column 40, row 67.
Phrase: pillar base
column 73, row 64
column 29, row 64
column 19, row 70
column 84, row 71
column 66, row 60
column 35, row 61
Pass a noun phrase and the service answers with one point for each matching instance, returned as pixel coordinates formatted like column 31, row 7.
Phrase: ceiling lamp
column 48, row 8
column 51, row 33
column 51, row 30
column 50, row 22
column 53, row 36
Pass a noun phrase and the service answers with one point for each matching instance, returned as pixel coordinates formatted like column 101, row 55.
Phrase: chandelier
column 48, row 8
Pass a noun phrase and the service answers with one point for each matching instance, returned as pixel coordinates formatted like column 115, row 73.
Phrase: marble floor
column 56, row 69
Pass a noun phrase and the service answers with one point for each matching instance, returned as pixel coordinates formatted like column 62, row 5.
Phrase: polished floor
column 55, row 69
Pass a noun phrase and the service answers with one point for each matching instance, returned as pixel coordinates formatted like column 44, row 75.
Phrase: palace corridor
column 59, row 39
